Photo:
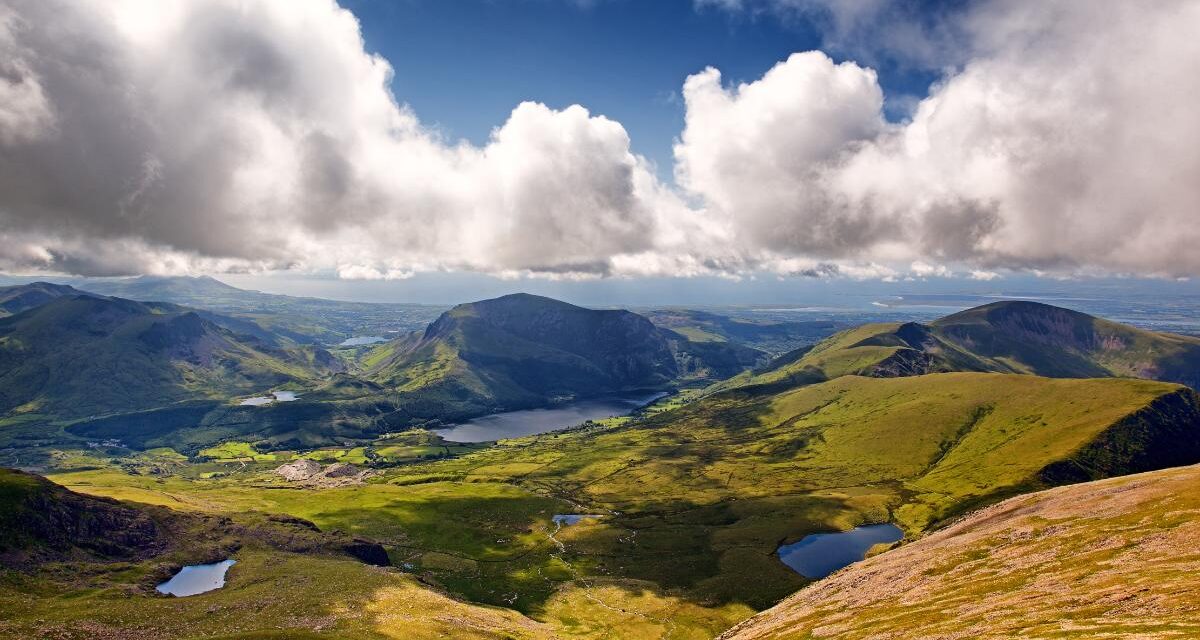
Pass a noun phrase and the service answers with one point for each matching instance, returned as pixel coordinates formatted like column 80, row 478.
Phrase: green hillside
column 1004, row 337
column 82, row 355
column 1109, row 559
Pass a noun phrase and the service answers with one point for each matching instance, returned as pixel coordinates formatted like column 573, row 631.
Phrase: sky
column 430, row 148
column 464, row 64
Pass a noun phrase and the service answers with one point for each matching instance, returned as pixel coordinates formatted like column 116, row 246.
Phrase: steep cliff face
column 41, row 518
column 1164, row 433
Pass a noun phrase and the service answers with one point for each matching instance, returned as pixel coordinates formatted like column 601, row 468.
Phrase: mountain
column 84, row 355
column 196, row 291
column 1036, row 338
column 523, row 350
column 18, row 298
column 15, row 299
column 1107, row 559
column 1006, row 337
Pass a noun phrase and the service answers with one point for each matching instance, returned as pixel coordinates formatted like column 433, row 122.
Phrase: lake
column 276, row 396
column 197, row 578
column 820, row 554
column 514, row 424
column 360, row 341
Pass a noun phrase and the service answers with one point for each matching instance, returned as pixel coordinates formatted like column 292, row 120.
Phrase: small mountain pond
column 197, row 578
column 820, row 554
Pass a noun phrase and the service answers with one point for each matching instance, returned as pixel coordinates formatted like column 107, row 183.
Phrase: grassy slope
column 707, row 492
column 1114, row 558
column 268, row 595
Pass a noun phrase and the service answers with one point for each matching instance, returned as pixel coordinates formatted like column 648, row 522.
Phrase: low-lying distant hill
column 523, row 350
column 83, row 355
column 1005, row 337
column 774, row 338
column 301, row 319
column 1108, row 559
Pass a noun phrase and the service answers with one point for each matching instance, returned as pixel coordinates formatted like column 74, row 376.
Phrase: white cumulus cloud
column 1068, row 142
column 140, row 136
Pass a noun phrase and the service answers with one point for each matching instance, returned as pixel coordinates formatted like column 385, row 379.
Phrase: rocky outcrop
column 299, row 470
column 310, row 473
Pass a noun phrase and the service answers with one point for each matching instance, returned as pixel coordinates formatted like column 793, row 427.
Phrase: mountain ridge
column 1003, row 337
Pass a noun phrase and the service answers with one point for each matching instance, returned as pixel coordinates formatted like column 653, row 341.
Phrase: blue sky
column 463, row 65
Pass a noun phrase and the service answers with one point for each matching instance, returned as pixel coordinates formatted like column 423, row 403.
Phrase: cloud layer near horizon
column 146, row 137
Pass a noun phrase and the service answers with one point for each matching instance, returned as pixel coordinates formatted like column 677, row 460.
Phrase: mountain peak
column 1010, row 308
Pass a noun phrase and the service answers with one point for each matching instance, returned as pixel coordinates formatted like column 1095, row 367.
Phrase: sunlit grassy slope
column 1109, row 559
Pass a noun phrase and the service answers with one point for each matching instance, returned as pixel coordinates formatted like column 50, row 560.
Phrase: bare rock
column 340, row 470
column 299, row 470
